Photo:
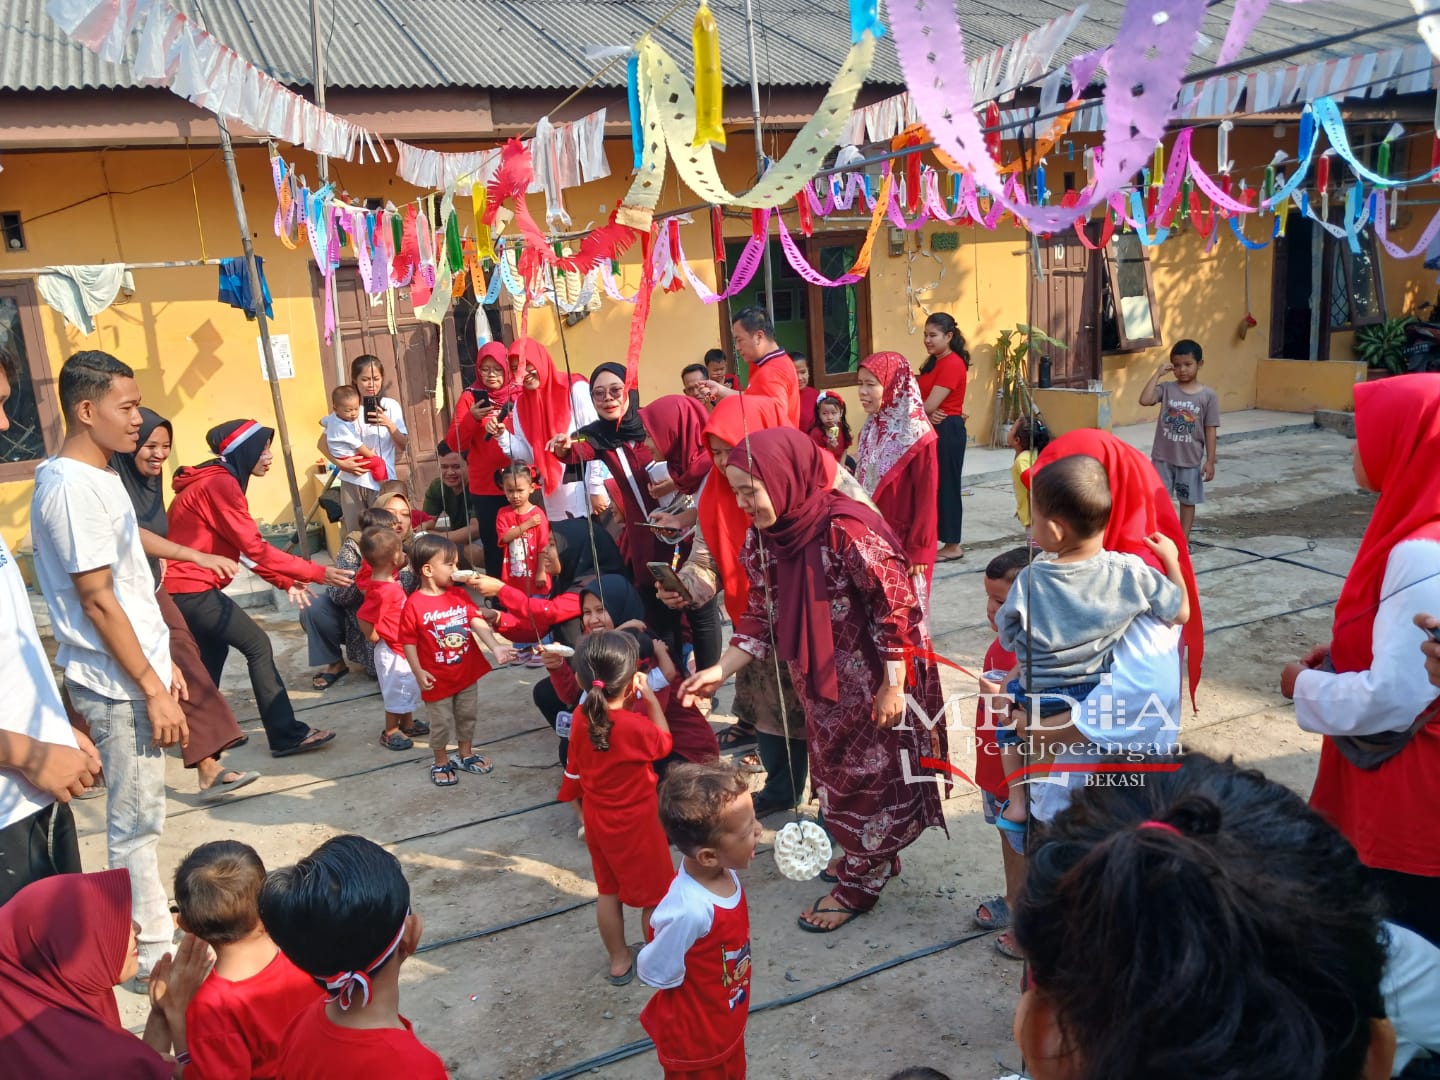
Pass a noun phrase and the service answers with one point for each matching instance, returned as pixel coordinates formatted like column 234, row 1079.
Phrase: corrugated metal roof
column 539, row 44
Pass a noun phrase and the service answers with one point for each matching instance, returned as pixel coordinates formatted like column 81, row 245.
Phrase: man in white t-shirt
column 114, row 644
column 44, row 762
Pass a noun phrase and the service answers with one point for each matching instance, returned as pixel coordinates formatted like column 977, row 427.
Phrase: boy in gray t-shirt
column 1067, row 610
column 1185, row 430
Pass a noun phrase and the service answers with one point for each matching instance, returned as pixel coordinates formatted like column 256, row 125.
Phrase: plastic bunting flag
column 671, row 131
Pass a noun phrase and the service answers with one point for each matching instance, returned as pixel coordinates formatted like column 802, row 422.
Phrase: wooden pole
column 237, row 194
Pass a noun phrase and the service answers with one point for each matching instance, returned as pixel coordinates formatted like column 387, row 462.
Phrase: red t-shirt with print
column 439, row 628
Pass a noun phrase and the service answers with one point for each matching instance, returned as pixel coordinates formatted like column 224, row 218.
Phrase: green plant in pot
column 1012, row 385
column 1383, row 345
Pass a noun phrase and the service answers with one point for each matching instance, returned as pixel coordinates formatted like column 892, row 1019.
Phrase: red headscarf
column 722, row 522
column 62, row 947
column 794, row 472
column 676, row 423
column 1139, row 506
column 1397, row 431
column 496, row 354
column 897, row 431
column 544, row 411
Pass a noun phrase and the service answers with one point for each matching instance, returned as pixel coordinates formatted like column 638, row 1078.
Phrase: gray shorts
column 1185, row 484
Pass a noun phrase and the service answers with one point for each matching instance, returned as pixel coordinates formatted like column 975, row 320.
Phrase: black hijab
column 606, row 435
column 238, row 445
column 573, row 542
column 146, row 492
column 624, row 605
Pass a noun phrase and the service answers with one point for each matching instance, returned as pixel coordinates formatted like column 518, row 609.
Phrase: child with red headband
column 612, row 751
column 342, row 915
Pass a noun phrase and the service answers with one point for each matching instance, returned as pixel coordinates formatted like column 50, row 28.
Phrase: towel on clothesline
column 235, row 286
column 81, row 292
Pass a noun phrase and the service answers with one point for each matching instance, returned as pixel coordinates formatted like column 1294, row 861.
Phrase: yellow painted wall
column 1306, row 385
column 1068, row 410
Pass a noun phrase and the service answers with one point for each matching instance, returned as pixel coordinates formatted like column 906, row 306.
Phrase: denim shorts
column 1052, row 702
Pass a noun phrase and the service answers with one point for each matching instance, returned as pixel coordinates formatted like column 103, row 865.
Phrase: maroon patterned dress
column 874, row 793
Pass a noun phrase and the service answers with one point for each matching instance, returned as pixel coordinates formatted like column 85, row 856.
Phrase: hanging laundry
column 235, row 286
column 589, row 135
column 81, row 292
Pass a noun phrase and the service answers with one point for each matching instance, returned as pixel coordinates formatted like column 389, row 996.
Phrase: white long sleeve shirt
column 1394, row 690
column 570, row 500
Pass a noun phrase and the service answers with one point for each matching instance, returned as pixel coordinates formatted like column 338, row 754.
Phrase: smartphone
column 482, row 397
column 368, row 405
column 666, row 576
column 1434, row 635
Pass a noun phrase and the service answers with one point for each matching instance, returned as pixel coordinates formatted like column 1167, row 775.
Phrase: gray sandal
column 998, row 917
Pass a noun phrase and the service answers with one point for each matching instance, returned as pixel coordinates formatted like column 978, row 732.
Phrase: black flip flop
column 629, row 976
column 323, row 680
column 305, row 745
column 816, row 909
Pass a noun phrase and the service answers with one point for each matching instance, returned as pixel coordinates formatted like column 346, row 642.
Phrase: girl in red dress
column 612, row 751
column 831, row 430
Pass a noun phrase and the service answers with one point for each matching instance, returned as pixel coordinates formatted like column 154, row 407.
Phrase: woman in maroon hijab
column 66, row 942
column 847, row 621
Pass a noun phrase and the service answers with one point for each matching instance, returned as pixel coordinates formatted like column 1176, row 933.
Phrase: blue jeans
column 134, row 809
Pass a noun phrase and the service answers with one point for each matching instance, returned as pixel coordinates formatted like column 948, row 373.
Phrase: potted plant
column 1382, row 345
column 1012, row 385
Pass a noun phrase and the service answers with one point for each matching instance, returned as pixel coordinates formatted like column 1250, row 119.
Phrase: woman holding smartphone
column 382, row 427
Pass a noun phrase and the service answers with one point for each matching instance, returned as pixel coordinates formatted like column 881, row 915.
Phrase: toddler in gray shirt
column 1079, row 600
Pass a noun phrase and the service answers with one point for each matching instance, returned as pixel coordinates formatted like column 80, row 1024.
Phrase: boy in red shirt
column 342, row 914
column 699, row 958
column 236, row 1022
column 523, row 530
column 379, row 618
column 994, row 913
column 436, row 631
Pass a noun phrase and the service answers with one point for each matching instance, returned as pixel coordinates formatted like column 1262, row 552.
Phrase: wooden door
column 1064, row 302
column 410, row 356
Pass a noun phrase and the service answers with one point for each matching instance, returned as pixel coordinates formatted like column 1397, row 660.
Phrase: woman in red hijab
column 484, row 419
column 895, row 457
column 847, row 621
column 66, row 942
column 1368, row 693
column 674, row 427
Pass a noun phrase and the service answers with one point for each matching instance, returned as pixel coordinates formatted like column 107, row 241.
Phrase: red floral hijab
column 896, row 432
column 1397, row 432
column 62, row 948
column 1139, row 506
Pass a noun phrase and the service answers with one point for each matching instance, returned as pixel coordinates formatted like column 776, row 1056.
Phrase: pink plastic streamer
column 804, row 269
column 1158, row 37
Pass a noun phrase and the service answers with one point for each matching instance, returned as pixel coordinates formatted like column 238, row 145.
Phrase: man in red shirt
column 772, row 372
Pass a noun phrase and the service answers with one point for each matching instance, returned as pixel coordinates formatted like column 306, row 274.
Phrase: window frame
column 42, row 378
column 1112, row 276
column 1338, row 250
column 814, row 306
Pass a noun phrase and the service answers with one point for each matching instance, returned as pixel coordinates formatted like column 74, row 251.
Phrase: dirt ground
column 511, row 983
